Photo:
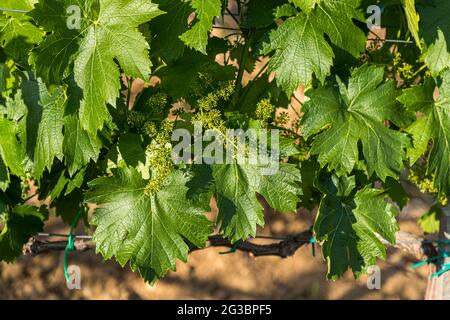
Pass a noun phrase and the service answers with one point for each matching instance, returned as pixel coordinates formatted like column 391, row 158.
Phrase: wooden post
column 439, row 287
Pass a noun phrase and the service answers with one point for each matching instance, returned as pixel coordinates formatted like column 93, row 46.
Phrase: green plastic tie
column 446, row 241
column 445, row 267
column 445, row 254
column 232, row 250
column 313, row 241
column 70, row 242
column 429, row 260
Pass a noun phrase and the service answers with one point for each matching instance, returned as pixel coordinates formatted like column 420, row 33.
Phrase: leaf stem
column 289, row 131
column 226, row 28
column 240, row 76
column 252, row 83
column 232, row 16
column 130, row 87
column 30, row 197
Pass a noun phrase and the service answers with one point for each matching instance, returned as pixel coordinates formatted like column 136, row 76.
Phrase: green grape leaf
column 131, row 150
column 434, row 17
column 80, row 146
column 261, row 13
column 348, row 222
column 167, row 29
column 430, row 221
column 235, row 187
column 40, row 119
column 22, row 223
column 17, row 33
column 178, row 77
column 432, row 126
column 8, row 79
column 108, row 31
column 12, row 150
column 396, row 192
column 4, row 176
column 149, row 231
column 305, row 5
column 413, row 19
column 53, row 58
column 49, row 141
column 437, row 57
column 356, row 113
column 205, row 12
column 301, row 49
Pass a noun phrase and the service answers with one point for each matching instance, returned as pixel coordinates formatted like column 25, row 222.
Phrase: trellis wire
column 13, row 10
column 434, row 260
column 391, row 41
column 275, row 238
column 445, row 267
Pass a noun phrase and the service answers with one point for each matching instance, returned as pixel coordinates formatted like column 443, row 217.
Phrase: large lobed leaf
column 108, row 31
column 348, row 222
column 167, row 28
column 435, row 30
column 235, row 187
column 299, row 45
column 149, row 231
column 347, row 115
column 33, row 128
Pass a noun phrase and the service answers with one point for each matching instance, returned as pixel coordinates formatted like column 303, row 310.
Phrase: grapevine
column 374, row 116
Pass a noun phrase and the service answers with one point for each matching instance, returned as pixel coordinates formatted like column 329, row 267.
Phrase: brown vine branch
column 283, row 249
column 410, row 243
column 35, row 246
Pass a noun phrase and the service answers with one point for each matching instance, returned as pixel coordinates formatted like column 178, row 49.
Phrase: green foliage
column 89, row 49
column 301, row 49
column 356, row 113
column 347, row 224
column 432, row 126
column 205, row 12
column 235, row 186
column 437, row 57
column 19, row 225
column 69, row 124
column 18, row 34
column 79, row 146
column 413, row 19
column 149, row 231
column 430, row 221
